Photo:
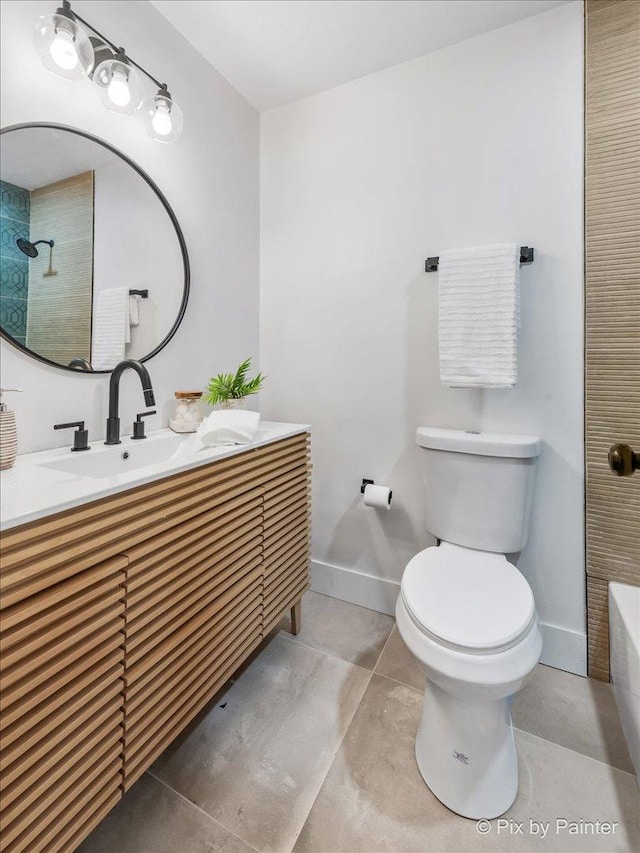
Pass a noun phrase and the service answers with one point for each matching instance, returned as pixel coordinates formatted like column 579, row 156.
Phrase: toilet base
column 466, row 753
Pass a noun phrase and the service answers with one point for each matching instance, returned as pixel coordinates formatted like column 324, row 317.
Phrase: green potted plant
column 230, row 390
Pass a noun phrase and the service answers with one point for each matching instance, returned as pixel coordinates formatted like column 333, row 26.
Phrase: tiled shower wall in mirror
column 14, row 266
column 45, row 302
column 61, row 291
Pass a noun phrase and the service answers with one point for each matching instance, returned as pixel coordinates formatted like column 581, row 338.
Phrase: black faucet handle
column 138, row 424
column 80, row 436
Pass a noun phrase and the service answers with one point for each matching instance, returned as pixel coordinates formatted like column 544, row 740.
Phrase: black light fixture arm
column 66, row 9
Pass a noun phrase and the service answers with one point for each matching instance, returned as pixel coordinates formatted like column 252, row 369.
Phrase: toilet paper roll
column 377, row 496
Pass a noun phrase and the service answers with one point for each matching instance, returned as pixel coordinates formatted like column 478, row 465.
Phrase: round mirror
column 93, row 264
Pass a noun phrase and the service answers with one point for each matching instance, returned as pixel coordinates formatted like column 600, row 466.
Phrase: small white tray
column 176, row 426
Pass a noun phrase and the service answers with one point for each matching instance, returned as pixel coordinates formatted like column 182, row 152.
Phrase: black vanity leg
column 296, row 617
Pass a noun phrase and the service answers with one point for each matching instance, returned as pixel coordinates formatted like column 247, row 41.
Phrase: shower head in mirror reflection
column 29, row 248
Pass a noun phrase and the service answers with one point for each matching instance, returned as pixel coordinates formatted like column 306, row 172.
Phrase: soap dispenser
column 8, row 432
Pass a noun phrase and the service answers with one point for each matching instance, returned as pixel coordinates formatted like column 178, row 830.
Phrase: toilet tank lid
column 479, row 443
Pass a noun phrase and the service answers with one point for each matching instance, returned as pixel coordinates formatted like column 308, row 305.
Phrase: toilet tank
column 479, row 486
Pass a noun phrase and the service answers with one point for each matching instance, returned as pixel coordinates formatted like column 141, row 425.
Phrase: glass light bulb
column 161, row 120
column 118, row 89
column 63, row 50
column 163, row 117
column 63, row 46
column 118, row 84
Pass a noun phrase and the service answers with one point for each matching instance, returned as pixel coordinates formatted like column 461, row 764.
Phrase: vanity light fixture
column 67, row 50
column 62, row 44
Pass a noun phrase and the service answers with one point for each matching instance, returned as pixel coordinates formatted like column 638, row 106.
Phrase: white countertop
column 30, row 490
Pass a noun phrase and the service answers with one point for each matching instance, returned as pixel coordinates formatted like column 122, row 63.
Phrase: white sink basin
column 104, row 461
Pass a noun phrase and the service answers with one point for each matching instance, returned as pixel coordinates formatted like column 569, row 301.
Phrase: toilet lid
column 468, row 599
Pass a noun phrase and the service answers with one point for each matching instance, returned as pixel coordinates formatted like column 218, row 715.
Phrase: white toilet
column 469, row 616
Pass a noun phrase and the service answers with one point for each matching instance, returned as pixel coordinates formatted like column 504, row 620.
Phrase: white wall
column 209, row 176
column 478, row 143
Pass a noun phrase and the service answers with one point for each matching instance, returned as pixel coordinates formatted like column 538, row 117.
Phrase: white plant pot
column 234, row 403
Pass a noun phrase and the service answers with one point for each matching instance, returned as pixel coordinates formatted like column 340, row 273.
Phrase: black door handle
column 623, row 461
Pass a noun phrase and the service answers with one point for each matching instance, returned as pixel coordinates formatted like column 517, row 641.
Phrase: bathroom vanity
column 129, row 596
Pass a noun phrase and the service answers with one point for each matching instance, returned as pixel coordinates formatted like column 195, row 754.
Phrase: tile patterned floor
column 311, row 749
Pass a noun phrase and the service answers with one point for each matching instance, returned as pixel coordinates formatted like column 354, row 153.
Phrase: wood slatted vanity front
column 122, row 618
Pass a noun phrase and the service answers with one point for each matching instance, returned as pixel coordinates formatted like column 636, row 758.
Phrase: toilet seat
column 470, row 601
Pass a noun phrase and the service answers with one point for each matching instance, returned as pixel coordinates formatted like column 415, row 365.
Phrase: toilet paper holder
column 377, row 497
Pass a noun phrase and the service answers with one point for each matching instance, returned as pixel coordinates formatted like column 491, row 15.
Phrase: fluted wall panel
column 612, row 321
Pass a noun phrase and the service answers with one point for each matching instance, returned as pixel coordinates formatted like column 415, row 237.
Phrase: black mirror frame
column 183, row 247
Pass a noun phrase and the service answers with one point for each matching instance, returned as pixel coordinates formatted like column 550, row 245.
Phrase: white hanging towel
column 110, row 328
column 134, row 309
column 479, row 316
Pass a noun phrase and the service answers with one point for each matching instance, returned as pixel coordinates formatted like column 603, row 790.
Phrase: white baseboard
column 355, row 587
column 562, row 648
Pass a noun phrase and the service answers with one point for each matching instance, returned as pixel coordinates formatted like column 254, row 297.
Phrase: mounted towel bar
column 526, row 257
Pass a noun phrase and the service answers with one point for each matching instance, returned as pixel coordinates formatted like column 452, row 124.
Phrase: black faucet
column 113, row 421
